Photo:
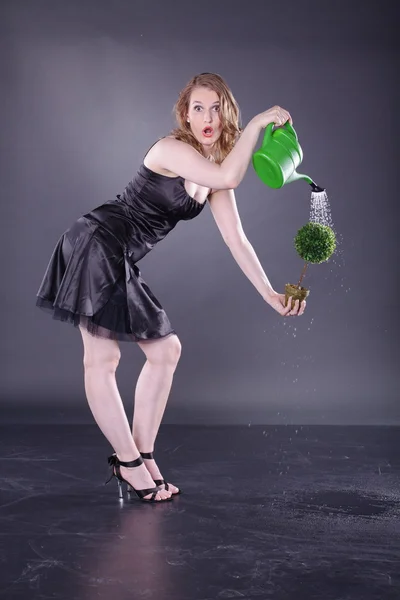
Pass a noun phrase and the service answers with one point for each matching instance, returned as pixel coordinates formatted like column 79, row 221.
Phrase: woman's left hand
column 277, row 302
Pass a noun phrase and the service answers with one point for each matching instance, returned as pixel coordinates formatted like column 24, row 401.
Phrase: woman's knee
column 100, row 353
column 166, row 351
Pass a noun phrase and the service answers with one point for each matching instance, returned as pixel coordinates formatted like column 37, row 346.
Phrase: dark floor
column 267, row 512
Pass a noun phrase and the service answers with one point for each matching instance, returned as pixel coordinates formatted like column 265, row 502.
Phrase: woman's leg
column 101, row 359
column 151, row 394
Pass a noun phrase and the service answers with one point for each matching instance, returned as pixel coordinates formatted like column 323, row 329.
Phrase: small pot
column 297, row 292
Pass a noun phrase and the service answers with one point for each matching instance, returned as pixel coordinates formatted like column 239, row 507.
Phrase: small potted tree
column 314, row 243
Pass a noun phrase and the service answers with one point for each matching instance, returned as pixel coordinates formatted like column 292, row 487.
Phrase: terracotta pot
column 297, row 292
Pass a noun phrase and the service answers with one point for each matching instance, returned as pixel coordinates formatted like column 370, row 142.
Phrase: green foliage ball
column 315, row 243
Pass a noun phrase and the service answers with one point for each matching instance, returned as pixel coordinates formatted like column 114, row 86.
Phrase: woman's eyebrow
column 198, row 102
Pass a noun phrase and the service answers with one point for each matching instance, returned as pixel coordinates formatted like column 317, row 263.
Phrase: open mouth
column 208, row 131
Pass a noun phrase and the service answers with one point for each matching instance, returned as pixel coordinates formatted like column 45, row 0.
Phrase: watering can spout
column 316, row 188
column 295, row 176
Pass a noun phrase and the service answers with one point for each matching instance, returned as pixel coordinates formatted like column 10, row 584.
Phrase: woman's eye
column 196, row 107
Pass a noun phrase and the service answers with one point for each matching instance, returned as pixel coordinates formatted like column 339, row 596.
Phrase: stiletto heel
column 115, row 465
column 120, row 492
column 149, row 456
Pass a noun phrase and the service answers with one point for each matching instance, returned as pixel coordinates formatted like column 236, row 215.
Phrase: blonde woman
column 93, row 281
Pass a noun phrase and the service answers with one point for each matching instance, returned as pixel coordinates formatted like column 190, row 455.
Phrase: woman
column 92, row 279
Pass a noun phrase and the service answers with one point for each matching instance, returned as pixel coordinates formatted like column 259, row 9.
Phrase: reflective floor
column 287, row 513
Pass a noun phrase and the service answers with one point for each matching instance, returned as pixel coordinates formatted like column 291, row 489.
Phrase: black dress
column 92, row 278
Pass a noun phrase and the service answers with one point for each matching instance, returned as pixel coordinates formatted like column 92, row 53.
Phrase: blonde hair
column 229, row 115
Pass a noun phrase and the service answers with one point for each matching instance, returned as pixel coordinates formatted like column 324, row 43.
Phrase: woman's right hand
column 277, row 115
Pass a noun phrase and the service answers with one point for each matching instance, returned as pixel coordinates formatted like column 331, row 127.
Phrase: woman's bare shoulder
column 176, row 158
column 152, row 158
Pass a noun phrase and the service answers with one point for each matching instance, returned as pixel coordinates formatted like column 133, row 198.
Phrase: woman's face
column 204, row 116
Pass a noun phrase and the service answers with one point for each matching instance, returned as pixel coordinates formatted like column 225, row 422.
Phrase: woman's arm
column 181, row 158
column 245, row 256
column 184, row 160
column 224, row 210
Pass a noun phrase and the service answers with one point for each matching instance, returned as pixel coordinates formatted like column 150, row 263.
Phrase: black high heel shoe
column 149, row 455
column 115, row 465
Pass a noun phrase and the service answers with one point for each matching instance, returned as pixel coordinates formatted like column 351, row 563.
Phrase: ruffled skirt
column 91, row 281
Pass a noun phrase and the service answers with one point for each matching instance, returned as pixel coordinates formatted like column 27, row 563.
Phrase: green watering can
column 279, row 156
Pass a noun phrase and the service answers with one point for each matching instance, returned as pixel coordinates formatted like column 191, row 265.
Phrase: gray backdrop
column 88, row 86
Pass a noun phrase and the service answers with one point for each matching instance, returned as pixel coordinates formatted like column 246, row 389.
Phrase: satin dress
column 92, row 279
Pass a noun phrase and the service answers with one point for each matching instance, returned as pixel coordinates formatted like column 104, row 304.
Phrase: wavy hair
column 229, row 115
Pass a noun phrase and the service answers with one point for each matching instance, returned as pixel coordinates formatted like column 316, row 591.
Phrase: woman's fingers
column 295, row 308
column 298, row 308
column 282, row 117
column 288, row 309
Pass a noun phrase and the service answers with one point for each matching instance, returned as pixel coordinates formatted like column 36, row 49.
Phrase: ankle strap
column 148, row 455
column 114, row 461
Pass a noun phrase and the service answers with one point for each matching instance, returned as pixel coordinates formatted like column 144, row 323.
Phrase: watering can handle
column 267, row 134
column 269, row 128
column 290, row 129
